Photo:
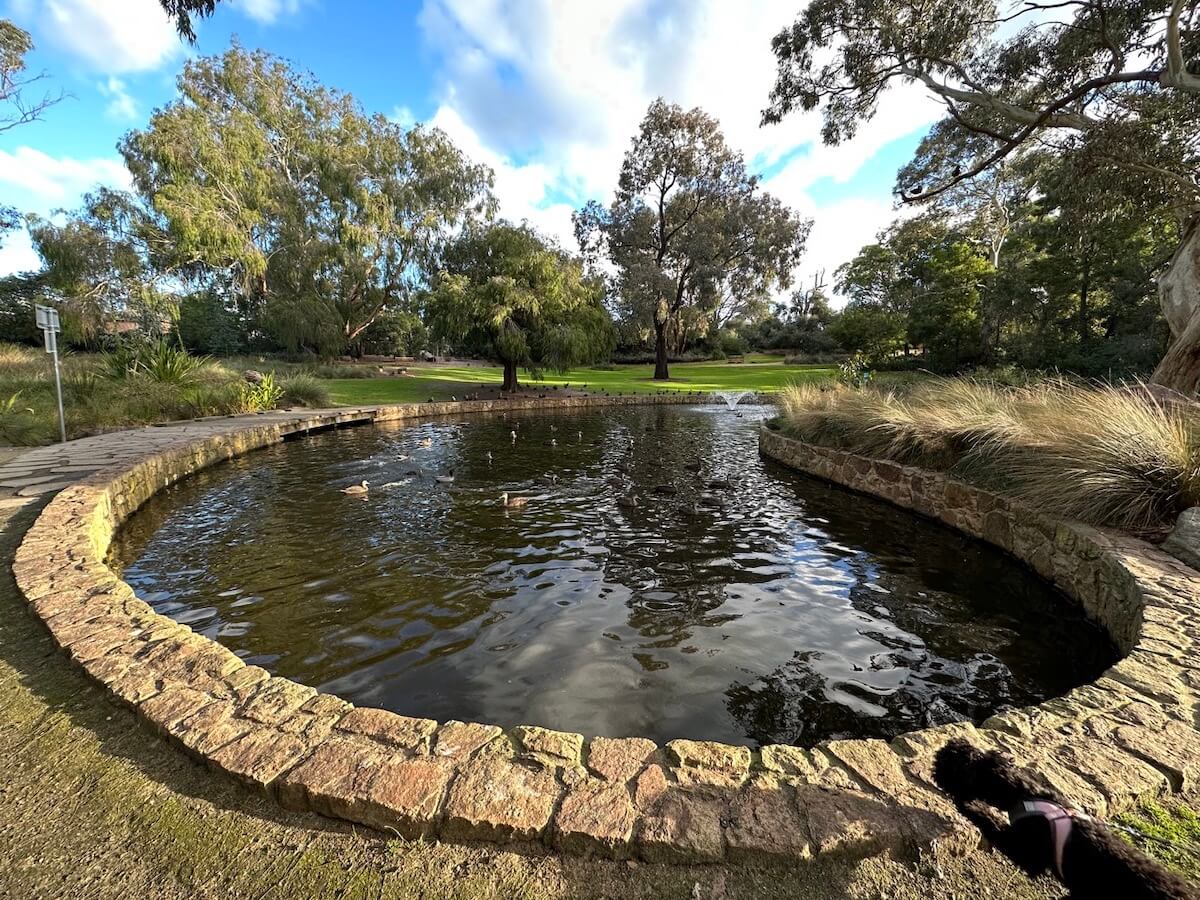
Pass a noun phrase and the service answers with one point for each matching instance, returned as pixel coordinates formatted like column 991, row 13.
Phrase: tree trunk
column 986, row 356
column 1085, row 313
column 660, row 351
column 1179, row 295
column 510, row 376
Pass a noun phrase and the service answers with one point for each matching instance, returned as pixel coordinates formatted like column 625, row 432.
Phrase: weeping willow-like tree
column 508, row 295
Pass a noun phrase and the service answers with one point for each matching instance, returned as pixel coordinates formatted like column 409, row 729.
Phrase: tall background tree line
column 1047, row 220
column 1029, row 271
column 270, row 213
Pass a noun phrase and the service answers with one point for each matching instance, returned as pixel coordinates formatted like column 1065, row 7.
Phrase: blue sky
column 547, row 92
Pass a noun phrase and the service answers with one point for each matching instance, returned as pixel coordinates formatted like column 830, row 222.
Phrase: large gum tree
column 689, row 226
column 319, row 217
column 1112, row 83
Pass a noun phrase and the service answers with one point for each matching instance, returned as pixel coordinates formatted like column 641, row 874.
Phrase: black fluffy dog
column 1040, row 835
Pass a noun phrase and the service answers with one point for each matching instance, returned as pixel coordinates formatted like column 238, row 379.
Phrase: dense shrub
column 130, row 386
column 304, row 390
column 207, row 325
column 260, row 395
column 160, row 361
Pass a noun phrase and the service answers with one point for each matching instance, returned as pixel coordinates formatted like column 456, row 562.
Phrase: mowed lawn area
column 766, row 374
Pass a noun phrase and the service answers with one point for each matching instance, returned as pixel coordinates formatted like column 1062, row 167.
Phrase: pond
column 737, row 601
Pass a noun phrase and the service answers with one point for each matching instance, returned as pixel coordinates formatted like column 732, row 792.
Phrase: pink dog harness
column 1059, row 820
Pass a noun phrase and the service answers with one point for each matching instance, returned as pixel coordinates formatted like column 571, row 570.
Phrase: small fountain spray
column 733, row 398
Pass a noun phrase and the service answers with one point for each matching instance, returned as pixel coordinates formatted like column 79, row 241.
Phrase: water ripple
column 776, row 609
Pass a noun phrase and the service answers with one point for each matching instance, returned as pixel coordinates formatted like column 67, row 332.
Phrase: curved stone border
column 1128, row 735
column 1132, row 733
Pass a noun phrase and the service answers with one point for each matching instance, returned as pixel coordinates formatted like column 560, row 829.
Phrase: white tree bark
column 1179, row 296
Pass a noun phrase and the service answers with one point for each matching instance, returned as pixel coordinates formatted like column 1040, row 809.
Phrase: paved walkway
column 33, row 472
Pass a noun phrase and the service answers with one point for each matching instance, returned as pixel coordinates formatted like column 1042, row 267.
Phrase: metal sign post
column 47, row 320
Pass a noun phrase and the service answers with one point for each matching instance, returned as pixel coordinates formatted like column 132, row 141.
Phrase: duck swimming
column 356, row 490
column 512, row 502
column 445, row 479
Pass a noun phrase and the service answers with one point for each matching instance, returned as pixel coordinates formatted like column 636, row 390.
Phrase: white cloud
column 551, row 93
column 36, row 182
column 402, row 116
column 111, row 36
column 840, row 229
column 267, row 10
column 521, row 190
column 121, row 105
column 17, row 254
column 49, row 181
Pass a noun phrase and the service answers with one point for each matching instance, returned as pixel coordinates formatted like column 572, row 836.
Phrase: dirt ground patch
column 94, row 806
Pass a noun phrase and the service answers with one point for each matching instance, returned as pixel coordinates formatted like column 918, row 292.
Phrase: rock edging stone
column 1129, row 735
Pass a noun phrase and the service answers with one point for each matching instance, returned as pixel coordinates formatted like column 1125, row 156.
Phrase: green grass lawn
column 442, row 382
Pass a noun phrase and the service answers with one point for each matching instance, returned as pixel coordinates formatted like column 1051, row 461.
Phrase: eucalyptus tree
column 506, row 294
column 319, row 217
column 181, row 12
column 106, row 261
column 1108, row 80
column 17, row 107
column 688, row 225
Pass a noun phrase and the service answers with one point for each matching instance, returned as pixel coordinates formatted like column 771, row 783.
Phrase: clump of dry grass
column 1106, row 454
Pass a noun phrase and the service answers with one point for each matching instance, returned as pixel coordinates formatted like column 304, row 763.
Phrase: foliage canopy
column 506, row 294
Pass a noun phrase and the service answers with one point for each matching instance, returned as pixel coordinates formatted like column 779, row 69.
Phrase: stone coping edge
column 1102, row 746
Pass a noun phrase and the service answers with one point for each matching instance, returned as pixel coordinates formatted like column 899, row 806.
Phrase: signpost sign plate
column 47, row 320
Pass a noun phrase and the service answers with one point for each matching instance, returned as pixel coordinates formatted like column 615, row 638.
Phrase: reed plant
column 1109, row 454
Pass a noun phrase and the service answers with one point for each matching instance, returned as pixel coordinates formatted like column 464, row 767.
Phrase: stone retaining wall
column 1128, row 735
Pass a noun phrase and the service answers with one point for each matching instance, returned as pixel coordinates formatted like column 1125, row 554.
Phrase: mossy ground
column 1170, row 831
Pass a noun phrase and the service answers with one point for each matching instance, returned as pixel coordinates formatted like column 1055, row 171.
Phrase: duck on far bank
column 356, row 490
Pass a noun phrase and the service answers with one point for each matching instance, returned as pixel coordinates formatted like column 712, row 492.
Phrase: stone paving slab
column 1102, row 746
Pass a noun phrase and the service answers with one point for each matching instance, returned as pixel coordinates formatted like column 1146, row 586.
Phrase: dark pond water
column 793, row 612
